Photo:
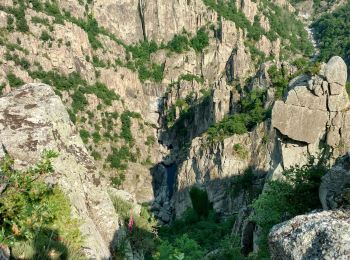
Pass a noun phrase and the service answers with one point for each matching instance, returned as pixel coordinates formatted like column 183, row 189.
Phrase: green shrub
column 126, row 125
column 239, row 150
column 182, row 248
column 45, row 36
column 118, row 180
column 209, row 233
column 85, row 135
column 200, row 201
column 96, row 137
column 281, row 200
column 348, row 88
column 35, row 218
column 150, row 140
column 119, row 158
column 10, row 22
column 179, row 44
column 200, row 41
column 14, row 81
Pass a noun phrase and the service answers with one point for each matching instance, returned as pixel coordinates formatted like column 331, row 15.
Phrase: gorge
column 194, row 129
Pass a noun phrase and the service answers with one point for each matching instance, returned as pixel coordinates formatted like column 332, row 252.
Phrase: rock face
column 33, row 118
column 334, row 190
column 323, row 235
column 315, row 109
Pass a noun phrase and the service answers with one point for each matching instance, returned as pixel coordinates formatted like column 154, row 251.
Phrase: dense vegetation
column 284, row 199
column 332, row 34
column 35, row 217
column 198, row 232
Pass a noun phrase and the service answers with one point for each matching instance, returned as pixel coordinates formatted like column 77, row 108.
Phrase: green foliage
column 118, row 180
column 14, row 81
column 39, row 20
column 96, row 137
column 284, row 199
column 208, row 233
column 251, row 113
column 280, row 77
column 200, row 201
column 243, row 182
column 348, row 88
column 85, row 135
column 73, row 82
column 119, row 157
column 143, row 234
column 10, row 22
column 200, row 41
column 229, row 11
column 331, row 33
column 150, row 140
column 240, row 151
column 279, row 80
column 126, row 125
column 45, row 36
column 182, row 248
column 179, row 44
column 35, row 218
column 285, row 24
column 22, row 62
column 19, row 13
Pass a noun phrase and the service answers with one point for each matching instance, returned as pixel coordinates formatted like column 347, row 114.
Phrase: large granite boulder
column 32, row 119
column 323, row 235
column 314, row 110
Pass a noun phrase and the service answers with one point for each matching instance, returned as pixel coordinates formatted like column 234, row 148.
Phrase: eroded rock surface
column 314, row 110
column 323, row 235
column 32, row 119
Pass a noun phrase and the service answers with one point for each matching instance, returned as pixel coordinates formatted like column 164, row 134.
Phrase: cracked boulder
column 313, row 105
column 32, row 119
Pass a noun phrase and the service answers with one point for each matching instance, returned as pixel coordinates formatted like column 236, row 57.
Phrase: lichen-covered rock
column 32, row 119
column 323, row 235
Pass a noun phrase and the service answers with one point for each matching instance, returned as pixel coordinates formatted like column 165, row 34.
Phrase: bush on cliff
column 35, row 217
column 284, row 199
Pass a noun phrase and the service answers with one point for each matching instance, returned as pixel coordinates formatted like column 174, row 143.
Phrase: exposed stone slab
column 299, row 123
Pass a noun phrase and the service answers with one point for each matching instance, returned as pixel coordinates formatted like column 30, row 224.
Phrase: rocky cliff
column 32, row 119
column 163, row 97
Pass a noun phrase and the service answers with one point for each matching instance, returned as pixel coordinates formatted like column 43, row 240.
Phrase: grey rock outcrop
column 214, row 167
column 32, row 119
column 323, row 235
column 314, row 110
column 334, row 189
